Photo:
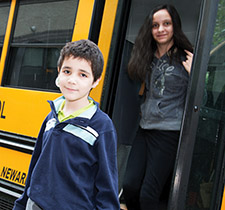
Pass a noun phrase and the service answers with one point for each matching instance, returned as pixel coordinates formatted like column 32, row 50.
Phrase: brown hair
column 145, row 45
column 84, row 49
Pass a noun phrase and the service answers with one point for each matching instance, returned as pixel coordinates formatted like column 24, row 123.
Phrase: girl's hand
column 188, row 62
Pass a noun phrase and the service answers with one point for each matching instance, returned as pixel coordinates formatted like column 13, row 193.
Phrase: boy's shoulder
column 102, row 120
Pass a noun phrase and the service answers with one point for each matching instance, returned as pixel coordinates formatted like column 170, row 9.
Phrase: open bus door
column 198, row 179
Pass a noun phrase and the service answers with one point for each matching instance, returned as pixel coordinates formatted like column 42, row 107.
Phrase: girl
column 161, row 58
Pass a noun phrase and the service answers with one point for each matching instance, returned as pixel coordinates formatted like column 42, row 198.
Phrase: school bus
column 32, row 33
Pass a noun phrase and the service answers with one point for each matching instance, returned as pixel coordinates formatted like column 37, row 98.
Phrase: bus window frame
column 4, row 3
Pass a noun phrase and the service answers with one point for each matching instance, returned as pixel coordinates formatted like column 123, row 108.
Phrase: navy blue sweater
column 74, row 164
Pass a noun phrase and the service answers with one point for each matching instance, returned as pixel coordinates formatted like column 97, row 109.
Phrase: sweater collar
column 55, row 106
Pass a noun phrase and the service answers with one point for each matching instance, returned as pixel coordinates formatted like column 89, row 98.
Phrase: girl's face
column 162, row 28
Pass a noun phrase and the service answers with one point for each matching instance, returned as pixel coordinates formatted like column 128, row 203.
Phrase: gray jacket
column 165, row 95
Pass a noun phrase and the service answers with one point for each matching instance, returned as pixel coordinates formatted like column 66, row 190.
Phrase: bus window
column 41, row 29
column 206, row 180
column 4, row 13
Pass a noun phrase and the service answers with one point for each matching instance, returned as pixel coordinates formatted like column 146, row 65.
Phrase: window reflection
column 34, row 67
column 4, row 13
column 45, row 22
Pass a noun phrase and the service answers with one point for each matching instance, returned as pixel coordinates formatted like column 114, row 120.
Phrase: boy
column 74, row 164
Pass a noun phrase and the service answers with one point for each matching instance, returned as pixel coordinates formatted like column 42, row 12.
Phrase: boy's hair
column 84, row 49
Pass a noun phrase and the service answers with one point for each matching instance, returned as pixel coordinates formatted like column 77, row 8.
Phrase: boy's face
column 76, row 80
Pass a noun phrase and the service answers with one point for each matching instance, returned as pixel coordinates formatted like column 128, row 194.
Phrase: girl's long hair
column 145, row 45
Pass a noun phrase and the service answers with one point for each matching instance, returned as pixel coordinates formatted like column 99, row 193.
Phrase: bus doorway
column 125, row 110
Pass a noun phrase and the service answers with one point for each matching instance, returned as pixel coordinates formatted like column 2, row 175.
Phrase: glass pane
column 34, row 67
column 45, row 22
column 206, row 167
column 4, row 13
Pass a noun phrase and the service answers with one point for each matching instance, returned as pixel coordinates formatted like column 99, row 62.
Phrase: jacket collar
column 55, row 105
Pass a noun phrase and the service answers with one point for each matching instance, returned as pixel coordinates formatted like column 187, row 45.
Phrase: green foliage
column 219, row 33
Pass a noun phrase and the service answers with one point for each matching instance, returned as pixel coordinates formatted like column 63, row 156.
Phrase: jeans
column 150, row 163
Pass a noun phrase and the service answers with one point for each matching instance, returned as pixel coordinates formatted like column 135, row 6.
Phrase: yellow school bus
column 32, row 33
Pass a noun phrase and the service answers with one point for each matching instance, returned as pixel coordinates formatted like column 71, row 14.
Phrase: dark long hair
column 145, row 45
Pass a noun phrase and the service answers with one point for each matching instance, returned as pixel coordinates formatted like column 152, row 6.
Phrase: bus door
column 32, row 34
